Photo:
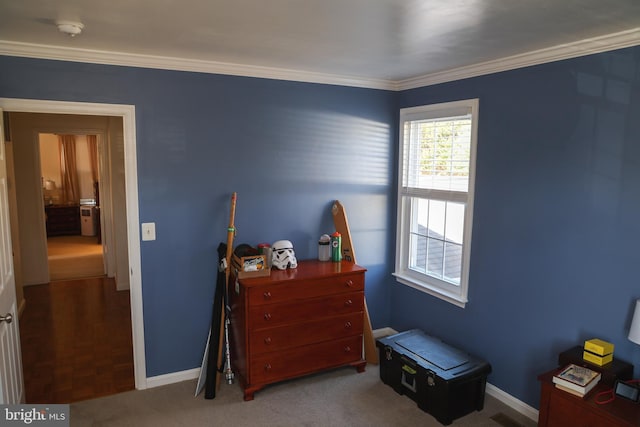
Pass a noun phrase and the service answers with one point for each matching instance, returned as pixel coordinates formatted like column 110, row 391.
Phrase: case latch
column 431, row 378
column 388, row 351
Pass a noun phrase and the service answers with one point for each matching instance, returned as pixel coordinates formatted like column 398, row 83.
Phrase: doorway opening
column 70, row 177
column 128, row 225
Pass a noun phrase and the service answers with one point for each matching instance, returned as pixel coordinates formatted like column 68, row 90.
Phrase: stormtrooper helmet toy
column 283, row 256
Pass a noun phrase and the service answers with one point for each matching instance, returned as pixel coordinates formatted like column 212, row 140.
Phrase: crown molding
column 40, row 51
column 584, row 47
column 556, row 53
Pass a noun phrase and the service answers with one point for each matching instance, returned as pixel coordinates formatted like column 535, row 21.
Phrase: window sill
column 454, row 299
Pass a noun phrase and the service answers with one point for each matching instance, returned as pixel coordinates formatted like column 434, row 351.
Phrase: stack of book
column 576, row 380
column 598, row 352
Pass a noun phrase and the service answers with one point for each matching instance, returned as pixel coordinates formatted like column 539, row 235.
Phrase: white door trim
column 127, row 112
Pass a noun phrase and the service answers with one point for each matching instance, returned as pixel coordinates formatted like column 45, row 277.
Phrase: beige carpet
column 74, row 257
column 334, row 399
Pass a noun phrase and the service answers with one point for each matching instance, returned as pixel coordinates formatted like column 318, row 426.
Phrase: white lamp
column 634, row 330
column 49, row 185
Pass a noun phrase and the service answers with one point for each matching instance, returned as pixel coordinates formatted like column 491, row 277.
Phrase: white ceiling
column 372, row 43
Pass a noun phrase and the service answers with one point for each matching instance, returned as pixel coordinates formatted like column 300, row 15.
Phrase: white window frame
column 455, row 294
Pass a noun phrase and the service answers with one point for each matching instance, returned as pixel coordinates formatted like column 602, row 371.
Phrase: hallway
column 76, row 341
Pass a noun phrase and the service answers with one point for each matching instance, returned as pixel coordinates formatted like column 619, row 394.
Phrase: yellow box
column 599, row 347
column 597, row 360
column 250, row 266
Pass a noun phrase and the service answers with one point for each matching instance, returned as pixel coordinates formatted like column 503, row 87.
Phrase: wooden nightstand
column 561, row 409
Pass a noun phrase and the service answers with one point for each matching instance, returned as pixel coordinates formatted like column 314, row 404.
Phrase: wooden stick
column 231, row 232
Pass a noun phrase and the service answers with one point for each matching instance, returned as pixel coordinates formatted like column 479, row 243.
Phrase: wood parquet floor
column 76, row 341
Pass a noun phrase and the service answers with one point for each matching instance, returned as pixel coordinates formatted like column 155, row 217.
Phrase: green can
column 336, row 247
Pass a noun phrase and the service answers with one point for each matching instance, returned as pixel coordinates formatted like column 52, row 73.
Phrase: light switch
column 148, row 231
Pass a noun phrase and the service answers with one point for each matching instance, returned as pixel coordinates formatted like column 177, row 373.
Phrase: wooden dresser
column 561, row 409
column 296, row 322
column 62, row 220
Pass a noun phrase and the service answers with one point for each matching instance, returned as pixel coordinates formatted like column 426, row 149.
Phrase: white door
column 11, row 384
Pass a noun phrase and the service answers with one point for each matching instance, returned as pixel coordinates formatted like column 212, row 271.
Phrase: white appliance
column 88, row 220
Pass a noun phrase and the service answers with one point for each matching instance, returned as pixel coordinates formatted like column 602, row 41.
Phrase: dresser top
column 307, row 269
column 60, row 206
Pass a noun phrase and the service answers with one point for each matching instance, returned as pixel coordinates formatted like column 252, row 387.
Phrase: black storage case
column 444, row 381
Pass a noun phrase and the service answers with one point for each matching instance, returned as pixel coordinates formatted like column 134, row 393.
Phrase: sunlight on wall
column 332, row 148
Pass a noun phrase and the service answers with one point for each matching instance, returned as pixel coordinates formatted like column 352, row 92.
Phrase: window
column 435, row 198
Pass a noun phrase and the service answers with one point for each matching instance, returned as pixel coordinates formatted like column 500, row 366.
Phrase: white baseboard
column 515, row 404
column 493, row 391
column 190, row 374
column 174, row 377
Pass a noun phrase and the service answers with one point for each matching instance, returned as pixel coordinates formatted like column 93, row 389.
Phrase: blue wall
column 554, row 252
column 556, row 208
column 288, row 150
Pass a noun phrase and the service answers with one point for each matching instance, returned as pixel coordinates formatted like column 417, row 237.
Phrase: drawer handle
column 267, row 295
column 267, row 367
column 267, row 316
column 349, row 283
column 347, row 325
column 267, row 340
column 347, row 349
column 348, row 303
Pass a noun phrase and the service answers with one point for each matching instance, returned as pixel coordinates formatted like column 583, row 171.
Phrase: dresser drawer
column 269, row 315
column 305, row 333
column 290, row 291
column 277, row 366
